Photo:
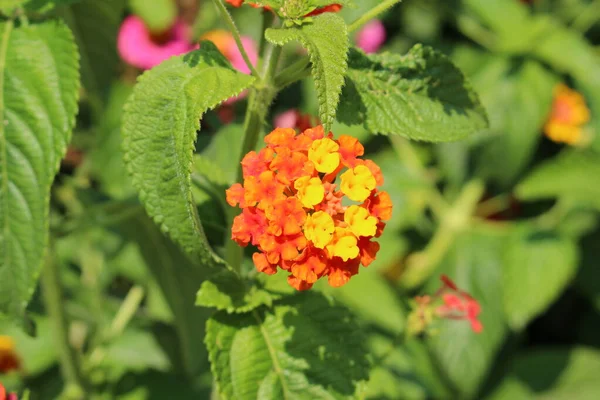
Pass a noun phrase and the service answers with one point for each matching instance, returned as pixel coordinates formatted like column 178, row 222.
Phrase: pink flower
column 295, row 119
column 371, row 37
column 138, row 47
column 226, row 45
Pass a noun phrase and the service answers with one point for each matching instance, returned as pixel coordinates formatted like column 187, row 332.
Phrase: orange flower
column 9, row 360
column 568, row 116
column 292, row 210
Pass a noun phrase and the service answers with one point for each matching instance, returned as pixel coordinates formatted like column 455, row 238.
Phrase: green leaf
column 227, row 141
column 158, row 15
column 226, row 291
column 421, row 95
column 568, row 51
column 537, row 268
column 95, row 25
column 159, row 130
column 571, row 175
column 8, row 6
column 107, row 164
column 465, row 357
column 39, row 84
column 305, row 347
column 178, row 279
column 326, row 40
column 403, row 371
column 44, row 6
column 558, row 373
column 518, row 100
column 382, row 308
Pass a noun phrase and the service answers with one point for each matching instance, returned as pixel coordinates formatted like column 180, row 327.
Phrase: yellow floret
column 358, row 182
column 319, row 228
column 343, row 245
column 310, row 191
column 324, row 155
column 360, row 222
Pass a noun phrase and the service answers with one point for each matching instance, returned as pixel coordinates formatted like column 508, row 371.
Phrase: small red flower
column 449, row 302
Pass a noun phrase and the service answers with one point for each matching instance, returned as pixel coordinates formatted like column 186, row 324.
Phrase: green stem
column 54, row 301
column 259, row 101
column 267, row 22
column 128, row 308
column 236, row 36
column 421, row 265
column 372, row 13
column 293, row 73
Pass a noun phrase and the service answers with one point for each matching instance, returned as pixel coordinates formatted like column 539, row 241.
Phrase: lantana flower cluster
column 311, row 206
column 449, row 302
column 568, row 116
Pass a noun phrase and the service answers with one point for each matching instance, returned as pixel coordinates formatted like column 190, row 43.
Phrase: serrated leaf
column 178, row 279
column 475, row 264
column 570, row 175
column 421, row 95
column 326, row 40
column 226, row 291
column 39, row 87
column 95, row 25
column 537, row 268
column 305, row 347
column 159, row 131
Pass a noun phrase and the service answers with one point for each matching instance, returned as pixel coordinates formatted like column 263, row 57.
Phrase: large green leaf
column 518, row 100
column 570, row 175
column 421, row 95
column 537, row 268
column 326, row 40
column 39, row 83
column 95, row 25
column 305, row 347
column 178, row 279
column 553, row 373
column 225, row 290
column 159, row 130
column 474, row 263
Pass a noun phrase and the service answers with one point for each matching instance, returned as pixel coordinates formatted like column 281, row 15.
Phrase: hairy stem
column 54, row 302
column 372, row 13
column 236, row 35
column 259, row 101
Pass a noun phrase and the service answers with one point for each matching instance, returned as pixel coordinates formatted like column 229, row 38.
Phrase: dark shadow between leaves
column 540, row 370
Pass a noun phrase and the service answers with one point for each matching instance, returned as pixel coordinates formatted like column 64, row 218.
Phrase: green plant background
column 479, row 195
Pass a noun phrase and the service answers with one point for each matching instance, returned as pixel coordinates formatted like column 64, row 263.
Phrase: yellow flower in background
column 9, row 360
column 568, row 116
